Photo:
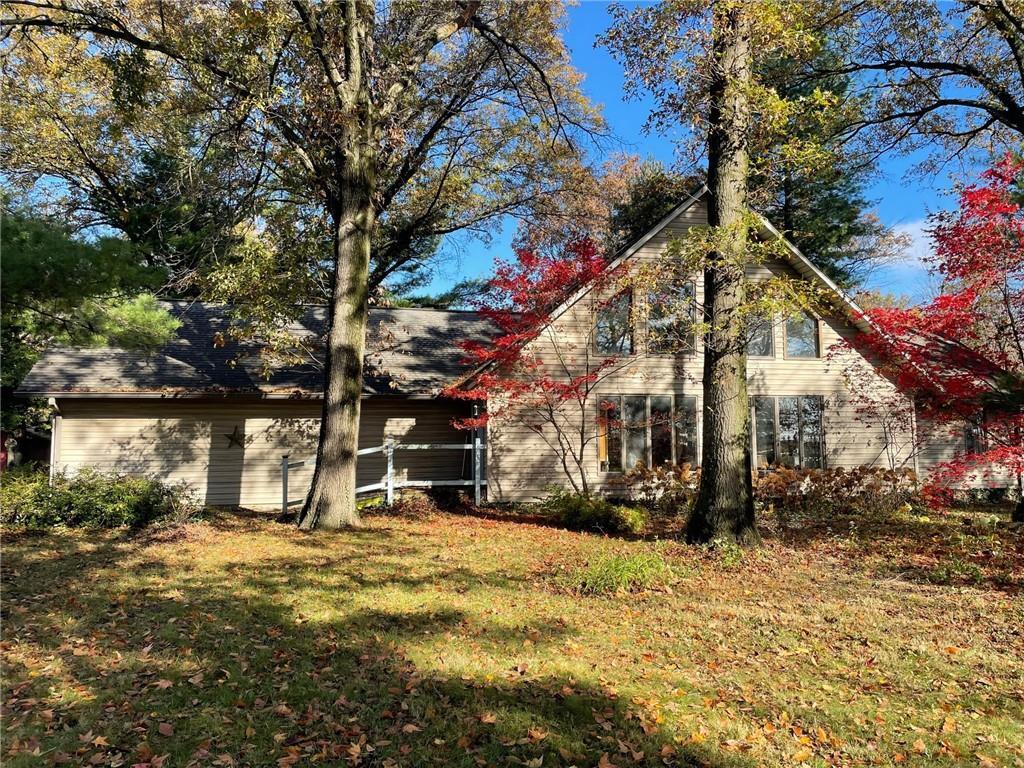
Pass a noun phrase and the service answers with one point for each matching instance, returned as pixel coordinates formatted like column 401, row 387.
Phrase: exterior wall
column 522, row 464
column 182, row 440
column 942, row 442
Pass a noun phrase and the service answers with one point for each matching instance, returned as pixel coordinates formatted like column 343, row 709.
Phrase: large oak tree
column 704, row 64
column 379, row 126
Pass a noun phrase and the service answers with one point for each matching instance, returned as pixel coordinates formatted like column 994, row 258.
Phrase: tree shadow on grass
column 939, row 549
column 200, row 664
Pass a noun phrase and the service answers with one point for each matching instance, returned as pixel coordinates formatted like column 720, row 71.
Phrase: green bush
column 621, row 573
column 593, row 513
column 91, row 499
column 18, row 487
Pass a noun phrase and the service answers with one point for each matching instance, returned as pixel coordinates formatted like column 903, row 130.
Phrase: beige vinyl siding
column 522, row 465
column 188, row 441
column 944, row 442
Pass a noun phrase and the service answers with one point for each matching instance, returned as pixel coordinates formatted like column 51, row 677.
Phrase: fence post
column 389, row 450
column 476, row 459
column 284, row 484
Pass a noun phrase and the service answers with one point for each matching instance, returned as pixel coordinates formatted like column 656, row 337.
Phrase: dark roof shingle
column 409, row 351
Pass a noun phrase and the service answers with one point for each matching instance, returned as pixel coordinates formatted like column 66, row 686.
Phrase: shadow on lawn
column 953, row 548
column 227, row 661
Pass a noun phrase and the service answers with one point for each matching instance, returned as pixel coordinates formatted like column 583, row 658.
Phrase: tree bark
column 724, row 508
column 331, row 502
column 332, row 496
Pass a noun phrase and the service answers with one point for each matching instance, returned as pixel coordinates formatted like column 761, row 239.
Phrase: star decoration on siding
column 235, row 438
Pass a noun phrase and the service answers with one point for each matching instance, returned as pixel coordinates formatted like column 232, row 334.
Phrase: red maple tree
column 961, row 356
column 550, row 393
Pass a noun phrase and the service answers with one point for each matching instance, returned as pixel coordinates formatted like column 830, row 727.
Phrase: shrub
column 593, row 513
column 17, row 491
column 91, row 499
column 827, row 492
column 621, row 573
column 667, row 490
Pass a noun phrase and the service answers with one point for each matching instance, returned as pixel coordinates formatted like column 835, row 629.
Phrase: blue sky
column 900, row 202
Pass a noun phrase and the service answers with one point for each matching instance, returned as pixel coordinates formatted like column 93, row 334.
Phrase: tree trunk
column 332, row 495
column 724, row 508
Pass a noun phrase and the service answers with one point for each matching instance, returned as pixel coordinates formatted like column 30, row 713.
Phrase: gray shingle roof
column 409, row 351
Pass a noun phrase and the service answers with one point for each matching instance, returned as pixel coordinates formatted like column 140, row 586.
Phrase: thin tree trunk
column 332, row 496
column 724, row 508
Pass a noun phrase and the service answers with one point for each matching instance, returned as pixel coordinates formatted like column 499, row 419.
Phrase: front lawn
column 455, row 641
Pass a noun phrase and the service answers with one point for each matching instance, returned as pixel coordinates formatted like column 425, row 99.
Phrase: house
column 202, row 412
column 815, row 401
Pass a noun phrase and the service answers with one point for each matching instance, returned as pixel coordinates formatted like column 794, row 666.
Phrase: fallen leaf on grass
column 165, row 729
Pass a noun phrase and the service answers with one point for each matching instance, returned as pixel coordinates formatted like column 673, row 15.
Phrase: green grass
column 612, row 574
column 448, row 641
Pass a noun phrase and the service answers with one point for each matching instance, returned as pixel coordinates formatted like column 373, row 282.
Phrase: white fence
column 390, row 482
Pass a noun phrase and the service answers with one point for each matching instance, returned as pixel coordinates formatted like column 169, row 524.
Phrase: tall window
column 974, row 438
column 802, row 337
column 661, row 429
column 671, row 317
column 609, row 436
column 760, row 342
column 764, row 430
column 634, row 422
column 789, row 431
column 613, row 332
column 685, row 428
column 642, row 430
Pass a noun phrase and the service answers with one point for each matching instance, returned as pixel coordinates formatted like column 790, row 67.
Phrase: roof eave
column 806, row 268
